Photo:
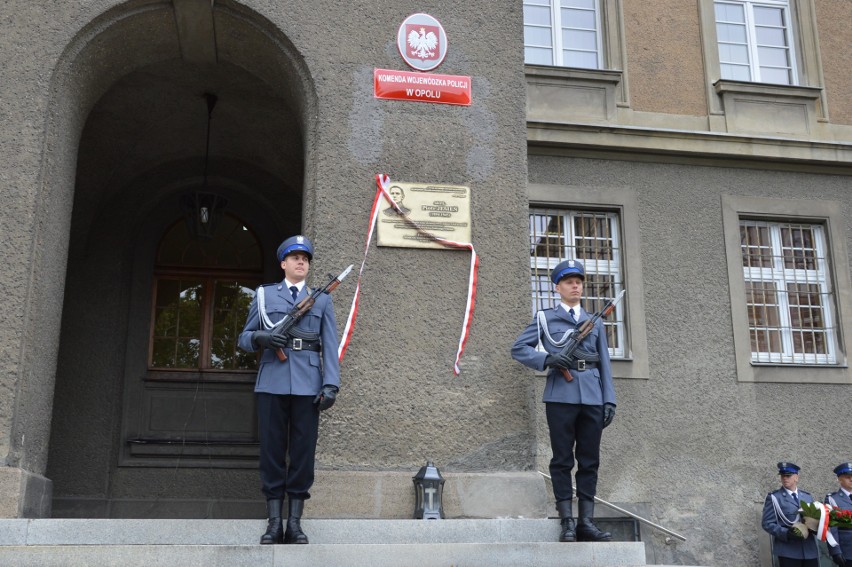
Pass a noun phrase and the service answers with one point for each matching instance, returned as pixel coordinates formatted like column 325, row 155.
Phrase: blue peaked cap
column 843, row 468
column 567, row 268
column 788, row 468
column 296, row 243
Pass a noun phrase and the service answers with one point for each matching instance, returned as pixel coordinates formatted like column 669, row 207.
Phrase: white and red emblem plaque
column 422, row 42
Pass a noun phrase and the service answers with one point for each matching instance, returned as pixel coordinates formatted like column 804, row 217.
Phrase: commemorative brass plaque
column 433, row 209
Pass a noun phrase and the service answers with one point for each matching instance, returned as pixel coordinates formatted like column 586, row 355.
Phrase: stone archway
column 124, row 140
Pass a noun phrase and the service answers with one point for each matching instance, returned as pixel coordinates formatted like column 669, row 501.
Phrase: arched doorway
column 131, row 437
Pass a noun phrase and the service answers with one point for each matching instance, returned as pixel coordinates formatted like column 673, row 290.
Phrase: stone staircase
column 343, row 543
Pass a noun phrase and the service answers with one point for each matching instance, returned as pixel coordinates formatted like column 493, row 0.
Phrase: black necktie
column 294, row 291
column 571, row 313
column 795, row 498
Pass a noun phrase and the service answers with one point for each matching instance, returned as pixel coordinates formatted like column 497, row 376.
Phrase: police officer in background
column 291, row 394
column 780, row 513
column 842, row 498
column 577, row 410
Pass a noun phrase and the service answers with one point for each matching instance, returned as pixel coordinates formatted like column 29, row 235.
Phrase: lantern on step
column 428, row 493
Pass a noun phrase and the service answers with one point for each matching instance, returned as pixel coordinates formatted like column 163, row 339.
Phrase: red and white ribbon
column 382, row 186
column 822, row 530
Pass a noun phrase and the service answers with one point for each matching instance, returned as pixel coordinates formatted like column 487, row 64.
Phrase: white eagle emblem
column 422, row 44
column 300, row 239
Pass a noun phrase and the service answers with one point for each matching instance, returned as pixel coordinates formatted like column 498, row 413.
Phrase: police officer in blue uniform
column 780, row 516
column 291, row 394
column 842, row 498
column 577, row 410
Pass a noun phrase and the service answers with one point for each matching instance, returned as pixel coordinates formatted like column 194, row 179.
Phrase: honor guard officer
column 842, row 498
column 780, row 513
column 577, row 410
column 291, row 394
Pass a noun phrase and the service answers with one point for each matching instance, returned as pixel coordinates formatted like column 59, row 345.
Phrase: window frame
column 623, row 202
column 208, row 279
column 575, row 93
column 780, row 277
column 557, row 28
column 752, row 42
column 544, row 296
column 828, row 214
column 805, row 48
column 169, row 267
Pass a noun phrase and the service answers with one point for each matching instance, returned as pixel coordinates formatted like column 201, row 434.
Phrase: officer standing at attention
column 780, row 512
column 291, row 394
column 842, row 498
column 578, row 408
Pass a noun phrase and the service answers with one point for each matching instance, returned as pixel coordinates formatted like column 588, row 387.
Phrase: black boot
column 567, row 532
column 586, row 530
column 294, row 533
column 274, row 532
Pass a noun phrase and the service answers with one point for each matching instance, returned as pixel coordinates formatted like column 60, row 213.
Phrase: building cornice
column 783, row 152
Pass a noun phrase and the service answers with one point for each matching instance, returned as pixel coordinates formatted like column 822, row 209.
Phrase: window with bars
column 755, row 41
column 563, row 33
column 594, row 238
column 788, row 293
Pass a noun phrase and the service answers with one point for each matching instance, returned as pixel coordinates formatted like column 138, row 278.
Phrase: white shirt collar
column 577, row 310
column 288, row 284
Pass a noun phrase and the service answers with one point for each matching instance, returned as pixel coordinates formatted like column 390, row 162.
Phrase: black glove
column 325, row 399
column 609, row 413
column 557, row 361
column 268, row 339
column 838, row 560
column 794, row 533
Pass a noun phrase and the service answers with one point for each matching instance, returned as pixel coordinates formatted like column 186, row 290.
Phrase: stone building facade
column 649, row 155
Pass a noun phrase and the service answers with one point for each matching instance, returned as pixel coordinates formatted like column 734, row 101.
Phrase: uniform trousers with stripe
column 575, row 431
column 287, row 423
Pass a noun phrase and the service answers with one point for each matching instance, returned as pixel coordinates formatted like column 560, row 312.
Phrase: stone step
column 343, row 543
column 247, row 532
column 621, row 554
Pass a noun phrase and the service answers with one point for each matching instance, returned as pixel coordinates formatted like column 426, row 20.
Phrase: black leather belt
column 581, row 365
column 304, row 344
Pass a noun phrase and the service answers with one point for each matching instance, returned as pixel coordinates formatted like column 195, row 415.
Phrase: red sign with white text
column 422, row 87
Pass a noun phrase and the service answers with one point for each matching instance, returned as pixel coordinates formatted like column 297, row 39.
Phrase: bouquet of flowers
column 819, row 517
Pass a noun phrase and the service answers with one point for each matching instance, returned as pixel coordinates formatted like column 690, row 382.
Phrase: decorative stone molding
column 760, row 108
column 562, row 94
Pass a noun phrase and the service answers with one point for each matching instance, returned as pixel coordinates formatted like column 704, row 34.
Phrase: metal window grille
column 789, row 297
column 565, row 33
column 594, row 238
column 755, row 41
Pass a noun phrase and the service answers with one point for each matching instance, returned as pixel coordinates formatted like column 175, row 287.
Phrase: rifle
column 578, row 334
column 292, row 318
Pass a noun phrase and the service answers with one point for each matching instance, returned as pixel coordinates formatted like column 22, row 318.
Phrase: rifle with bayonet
column 578, row 334
column 287, row 326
